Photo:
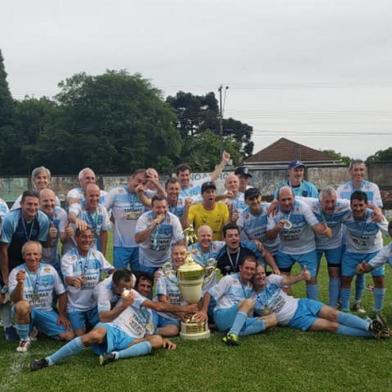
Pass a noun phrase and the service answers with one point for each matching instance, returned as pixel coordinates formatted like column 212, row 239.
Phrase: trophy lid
column 190, row 265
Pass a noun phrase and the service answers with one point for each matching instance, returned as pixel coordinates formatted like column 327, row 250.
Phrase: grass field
column 281, row 359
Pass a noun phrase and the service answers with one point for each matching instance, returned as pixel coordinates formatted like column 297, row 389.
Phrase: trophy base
column 194, row 331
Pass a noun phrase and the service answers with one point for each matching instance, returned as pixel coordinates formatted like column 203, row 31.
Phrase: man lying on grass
column 305, row 314
column 129, row 335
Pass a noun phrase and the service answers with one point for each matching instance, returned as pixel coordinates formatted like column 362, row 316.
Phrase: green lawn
column 278, row 360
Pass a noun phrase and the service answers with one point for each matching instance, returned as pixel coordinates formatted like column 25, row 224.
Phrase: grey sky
column 317, row 72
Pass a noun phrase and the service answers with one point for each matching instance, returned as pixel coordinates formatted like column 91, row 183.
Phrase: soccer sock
column 379, row 295
column 348, row 331
column 255, row 327
column 312, row 291
column 334, row 287
column 75, row 346
column 359, row 286
column 23, row 331
column 345, row 298
column 239, row 322
column 350, row 320
column 137, row 350
column 5, row 315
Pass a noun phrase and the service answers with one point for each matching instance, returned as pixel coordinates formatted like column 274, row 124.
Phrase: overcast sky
column 316, row 72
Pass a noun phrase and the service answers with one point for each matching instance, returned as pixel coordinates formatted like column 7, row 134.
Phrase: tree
column 338, row 156
column 198, row 113
column 113, row 122
column 381, row 156
column 202, row 151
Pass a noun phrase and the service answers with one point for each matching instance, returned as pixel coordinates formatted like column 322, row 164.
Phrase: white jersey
column 38, row 287
column 156, row 249
column 333, row 221
column 382, row 257
column 73, row 264
column 230, row 291
column 273, row 299
column 254, row 227
column 300, row 238
column 135, row 320
column 193, row 191
column 372, row 191
column 364, row 236
column 105, row 296
column 126, row 209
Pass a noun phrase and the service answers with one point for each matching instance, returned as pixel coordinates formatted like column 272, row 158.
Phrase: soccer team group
column 56, row 281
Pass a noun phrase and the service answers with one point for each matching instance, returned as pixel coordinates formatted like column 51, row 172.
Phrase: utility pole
column 221, row 104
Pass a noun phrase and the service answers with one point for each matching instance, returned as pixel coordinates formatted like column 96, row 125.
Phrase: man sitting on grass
column 129, row 335
column 304, row 314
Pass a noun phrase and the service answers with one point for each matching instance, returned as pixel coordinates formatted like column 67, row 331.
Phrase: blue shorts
column 285, row 261
column 147, row 270
column 333, row 256
column 46, row 322
column 306, row 314
column 79, row 319
column 115, row 340
column 161, row 321
column 351, row 260
column 224, row 317
column 126, row 258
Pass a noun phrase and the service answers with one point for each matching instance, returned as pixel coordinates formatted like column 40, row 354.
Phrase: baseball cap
column 252, row 192
column 208, row 185
column 242, row 171
column 295, row 164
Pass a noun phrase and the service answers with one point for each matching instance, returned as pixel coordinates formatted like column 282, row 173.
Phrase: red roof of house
column 284, row 150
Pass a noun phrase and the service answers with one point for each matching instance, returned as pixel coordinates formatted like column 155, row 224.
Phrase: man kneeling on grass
column 129, row 335
column 305, row 314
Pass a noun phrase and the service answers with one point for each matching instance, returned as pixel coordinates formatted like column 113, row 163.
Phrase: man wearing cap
column 208, row 212
column 244, row 176
column 296, row 182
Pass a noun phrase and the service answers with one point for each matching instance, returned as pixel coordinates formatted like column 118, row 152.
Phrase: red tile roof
column 284, row 150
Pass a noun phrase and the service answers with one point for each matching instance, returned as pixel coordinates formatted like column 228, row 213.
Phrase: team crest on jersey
column 47, row 269
column 74, row 258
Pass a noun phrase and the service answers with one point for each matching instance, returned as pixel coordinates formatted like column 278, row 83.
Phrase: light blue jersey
column 305, row 189
column 372, row 191
column 126, row 209
column 382, row 257
column 364, row 236
column 201, row 256
column 98, row 221
column 254, row 227
column 156, row 249
column 194, row 190
column 168, row 285
column 238, row 203
column 231, row 291
column 59, row 220
column 300, row 238
column 73, row 264
column 273, row 299
column 3, row 212
column 333, row 221
column 39, row 286
column 178, row 209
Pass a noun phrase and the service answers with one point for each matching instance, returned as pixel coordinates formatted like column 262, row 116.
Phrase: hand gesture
column 20, row 276
column 52, row 232
column 168, row 344
column 225, row 157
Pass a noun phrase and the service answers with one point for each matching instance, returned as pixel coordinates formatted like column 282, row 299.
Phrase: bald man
column 95, row 216
column 58, row 229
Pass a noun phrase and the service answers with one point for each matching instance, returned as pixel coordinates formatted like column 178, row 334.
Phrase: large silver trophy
column 191, row 279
